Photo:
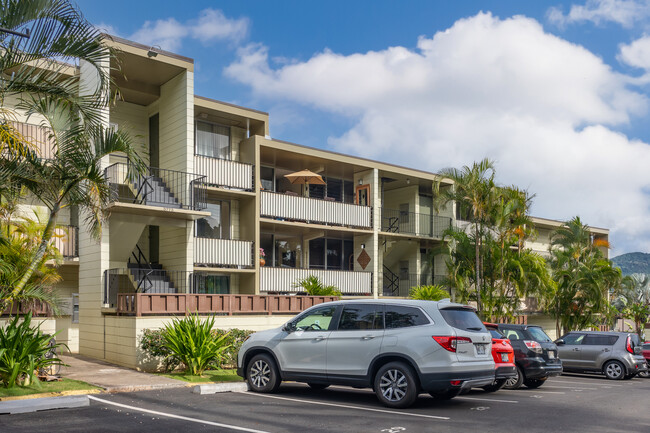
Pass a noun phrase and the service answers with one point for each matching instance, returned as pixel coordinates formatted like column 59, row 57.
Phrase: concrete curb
column 213, row 388
column 53, row 394
column 45, row 403
column 133, row 388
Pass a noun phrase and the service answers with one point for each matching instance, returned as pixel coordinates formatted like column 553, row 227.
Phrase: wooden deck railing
column 38, row 309
column 140, row 304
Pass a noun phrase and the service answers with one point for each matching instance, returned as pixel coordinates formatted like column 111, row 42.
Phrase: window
column 75, row 308
column 496, row 334
column 216, row 226
column 288, row 253
column 573, row 339
column 403, row 317
column 514, row 334
column 599, row 340
column 361, row 317
column 318, row 319
column 212, row 140
column 327, row 253
column 267, row 177
column 462, row 318
column 539, row 334
column 207, row 284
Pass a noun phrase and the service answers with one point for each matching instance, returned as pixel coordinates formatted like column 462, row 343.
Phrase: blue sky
column 555, row 92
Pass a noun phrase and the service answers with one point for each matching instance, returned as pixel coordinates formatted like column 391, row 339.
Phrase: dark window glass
column 538, row 334
column 599, row 340
column 266, row 177
column 514, row 334
column 317, row 253
column 211, row 284
column 316, row 320
column 573, row 339
column 335, row 189
column 317, row 191
column 348, row 191
column 402, row 317
column 217, row 225
column 266, row 243
column 496, row 334
column 288, row 253
column 462, row 318
column 334, row 254
column 348, row 255
column 360, row 317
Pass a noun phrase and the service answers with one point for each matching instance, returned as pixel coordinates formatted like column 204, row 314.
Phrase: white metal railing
column 284, row 279
column 277, row 205
column 224, row 172
column 223, row 252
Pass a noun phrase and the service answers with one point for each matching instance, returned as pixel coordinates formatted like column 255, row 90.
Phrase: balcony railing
column 224, row 172
column 144, row 280
column 139, row 304
column 411, row 223
column 223, row 252
column 39, row 136
column 37, row 308
column 282, row 280
column 400, row 285
column 66, row 240
column 312, row 210
column 156, row 187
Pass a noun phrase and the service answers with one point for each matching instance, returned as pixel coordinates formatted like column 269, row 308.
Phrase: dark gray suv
column 397, row 347
column 616, row 354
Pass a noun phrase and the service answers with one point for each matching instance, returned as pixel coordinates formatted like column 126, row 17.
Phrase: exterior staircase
column 148, row 277
column 153, row 191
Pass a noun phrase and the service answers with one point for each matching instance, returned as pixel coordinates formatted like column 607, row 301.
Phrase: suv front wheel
column 262, row 374
column 395, row 385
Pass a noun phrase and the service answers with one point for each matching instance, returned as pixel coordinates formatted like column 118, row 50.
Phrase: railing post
column 138, row 305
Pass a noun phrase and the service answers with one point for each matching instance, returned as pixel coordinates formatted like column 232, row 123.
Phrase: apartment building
column 186, row 235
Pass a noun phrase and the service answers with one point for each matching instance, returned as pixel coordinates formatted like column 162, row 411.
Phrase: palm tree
column 633, row 300
column 473, row 192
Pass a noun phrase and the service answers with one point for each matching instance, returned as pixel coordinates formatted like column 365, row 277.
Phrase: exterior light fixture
column 363, row 246
column 360, row 181
column 153, row 51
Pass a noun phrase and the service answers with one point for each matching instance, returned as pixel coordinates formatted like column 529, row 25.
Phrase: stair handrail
column 140, row 258
column 393, row 279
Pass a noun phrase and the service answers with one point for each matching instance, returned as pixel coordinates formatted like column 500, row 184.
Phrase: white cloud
column 637, row 53
column 211, row 25
column 543, row 108
column 624, row 12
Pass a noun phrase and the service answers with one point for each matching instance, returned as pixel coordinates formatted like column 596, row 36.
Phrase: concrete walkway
column 114, row 378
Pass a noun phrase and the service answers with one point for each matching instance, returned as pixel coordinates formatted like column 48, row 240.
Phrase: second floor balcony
column 225, row 172
column 284, row 280
column 312, row 210
column 412, row 223
column 223, row 253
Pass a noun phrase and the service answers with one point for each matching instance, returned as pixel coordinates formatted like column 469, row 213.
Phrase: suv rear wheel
column 614, row 370
column 262, row 374
column 395, row 385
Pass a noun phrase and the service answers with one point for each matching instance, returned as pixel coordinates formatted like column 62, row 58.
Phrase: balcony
column 223, row 253
column 282, row 280
column 411, row 223
column 168, row 189
column 141, row 304
column 66, row 240
column 224, row 172
column 317, row 211
column 400, row 285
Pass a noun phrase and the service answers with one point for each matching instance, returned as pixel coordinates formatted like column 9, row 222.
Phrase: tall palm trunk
column 478, row 268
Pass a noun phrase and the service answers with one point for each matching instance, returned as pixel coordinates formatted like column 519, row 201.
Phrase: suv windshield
column 462, row 318
column 539, row 335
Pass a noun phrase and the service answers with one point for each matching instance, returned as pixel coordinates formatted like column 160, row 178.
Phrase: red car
column 504, row 358
column 645, row 350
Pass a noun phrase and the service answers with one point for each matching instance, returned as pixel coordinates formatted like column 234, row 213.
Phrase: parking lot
column 570, row 403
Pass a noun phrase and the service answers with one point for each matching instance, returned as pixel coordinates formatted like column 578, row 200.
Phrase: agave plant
column 429, row 293
column 23, row 350
column 192, row 341
column 314, row 287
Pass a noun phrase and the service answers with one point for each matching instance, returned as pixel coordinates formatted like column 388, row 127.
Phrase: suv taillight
column 450, row 343
column 628, row 345
column 533, row 345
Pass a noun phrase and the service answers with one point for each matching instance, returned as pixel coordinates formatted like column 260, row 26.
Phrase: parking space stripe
column 587, row 382
column 346, row 406
column 550, row 385
column 169, row 415
column 531, row 391
column 485, row 399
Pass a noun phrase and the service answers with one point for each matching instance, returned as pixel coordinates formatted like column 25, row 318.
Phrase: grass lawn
column 208, row 376
column 45, row 387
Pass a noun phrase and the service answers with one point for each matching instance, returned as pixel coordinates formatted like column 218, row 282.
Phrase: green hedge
column 153, row 344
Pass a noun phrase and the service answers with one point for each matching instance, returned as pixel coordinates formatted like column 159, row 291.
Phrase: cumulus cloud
column 637, row 53
column 627, row 13
column 211, row 25
column 543, row 108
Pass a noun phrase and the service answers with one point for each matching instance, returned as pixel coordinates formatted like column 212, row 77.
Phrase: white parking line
column 485, row 399
column 523, row 391
column 169, row 415
column 346, row 406
column 585, row 382
column 550, row 385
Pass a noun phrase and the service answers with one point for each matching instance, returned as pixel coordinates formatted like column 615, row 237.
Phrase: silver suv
column 397, row 347
column 616, row 354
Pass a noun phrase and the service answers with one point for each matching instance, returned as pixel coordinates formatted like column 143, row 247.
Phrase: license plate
column 480, row 349
column 551, row 355
column 504, row 357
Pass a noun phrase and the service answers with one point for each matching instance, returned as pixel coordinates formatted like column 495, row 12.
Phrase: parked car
column 645, row 351
column 535, row 355
column 504, row 358
column 399, row 348
column 616, row 354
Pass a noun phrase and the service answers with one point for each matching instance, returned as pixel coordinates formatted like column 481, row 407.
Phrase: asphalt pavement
column 570, row 403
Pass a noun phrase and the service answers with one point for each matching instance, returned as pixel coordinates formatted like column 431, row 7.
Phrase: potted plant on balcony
column 262, row 255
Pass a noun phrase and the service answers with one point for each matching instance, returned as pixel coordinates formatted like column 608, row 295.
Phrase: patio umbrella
column 305, row 177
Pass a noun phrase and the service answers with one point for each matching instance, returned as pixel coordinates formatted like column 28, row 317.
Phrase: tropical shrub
column 22, row 352
column 313, row 286
column 429, row 293
column 234, row 338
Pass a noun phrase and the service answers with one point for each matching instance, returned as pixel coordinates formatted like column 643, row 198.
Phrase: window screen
column 402, row 317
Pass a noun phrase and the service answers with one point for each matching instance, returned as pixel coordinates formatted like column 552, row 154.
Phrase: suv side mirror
column 559, row 342
column 289, row 327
